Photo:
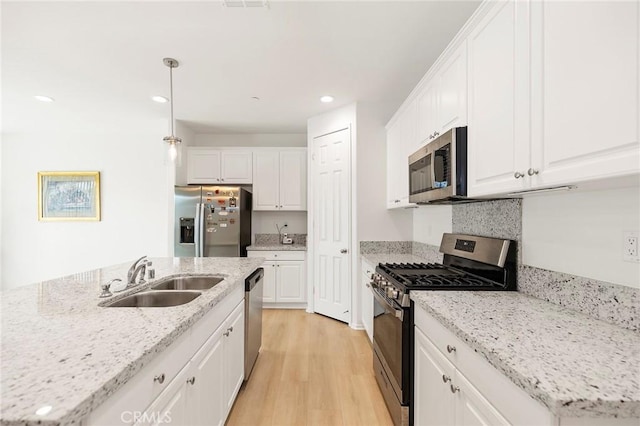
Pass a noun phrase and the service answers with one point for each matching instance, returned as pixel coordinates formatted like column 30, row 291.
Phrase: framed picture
column 68, row 196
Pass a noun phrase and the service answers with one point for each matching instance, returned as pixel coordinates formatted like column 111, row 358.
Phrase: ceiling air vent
column 245, row 3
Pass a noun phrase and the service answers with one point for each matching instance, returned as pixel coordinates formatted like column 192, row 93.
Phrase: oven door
column 391, row 342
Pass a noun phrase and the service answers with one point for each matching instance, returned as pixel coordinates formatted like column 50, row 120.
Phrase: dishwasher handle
column 253, row 279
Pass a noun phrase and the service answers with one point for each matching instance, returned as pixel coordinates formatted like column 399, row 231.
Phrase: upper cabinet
column 554, row 91
column 549, row 90
column 442, row 103
column 498, row 142
column 215, row 166
column 401, row 142
column 280, row 181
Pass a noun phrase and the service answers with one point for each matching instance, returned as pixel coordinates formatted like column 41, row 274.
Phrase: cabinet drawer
column 518, row 408
column 278, row 255
column 145, row 386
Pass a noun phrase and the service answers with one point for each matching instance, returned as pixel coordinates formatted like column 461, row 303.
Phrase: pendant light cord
column 171, row 93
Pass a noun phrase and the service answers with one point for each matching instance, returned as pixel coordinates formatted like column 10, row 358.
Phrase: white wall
column 265, row 222
column 188, row 139
column 374, row 221
column 581, row 233
column 253, row 140
column 134, row 198
column 430, row 222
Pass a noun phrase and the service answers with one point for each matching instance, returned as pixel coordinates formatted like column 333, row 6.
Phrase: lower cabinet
column 443, row 395
column 204, row 391
column 203, row 387
column 284, row 278
column 366, row 307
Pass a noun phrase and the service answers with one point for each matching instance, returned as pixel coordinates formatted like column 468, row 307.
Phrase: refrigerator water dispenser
column 187, row 230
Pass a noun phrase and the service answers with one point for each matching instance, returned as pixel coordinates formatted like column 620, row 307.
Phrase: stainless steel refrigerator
column 212, row 221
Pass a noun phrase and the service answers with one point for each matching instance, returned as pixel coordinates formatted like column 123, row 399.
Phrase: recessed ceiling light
column 42, row 98
column 326, row 99
column 160, row 99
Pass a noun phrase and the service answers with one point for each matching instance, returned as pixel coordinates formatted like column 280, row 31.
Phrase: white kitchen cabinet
column 219, row 166
column 401, row 142
column 194, row 381
column 284, row 278
column 453, row 385
column 280, row 181
column 442, row 102
column 498, row 104
column 552, row 104
column 586, row 91
column 366, row 307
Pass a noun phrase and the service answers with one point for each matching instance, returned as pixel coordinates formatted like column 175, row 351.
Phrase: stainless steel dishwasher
column 252, row 319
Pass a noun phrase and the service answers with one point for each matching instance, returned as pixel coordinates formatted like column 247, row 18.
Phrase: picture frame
column 68, row 196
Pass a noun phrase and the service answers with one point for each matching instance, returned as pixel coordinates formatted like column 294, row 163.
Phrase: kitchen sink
column 187, row 283
column 156, row 299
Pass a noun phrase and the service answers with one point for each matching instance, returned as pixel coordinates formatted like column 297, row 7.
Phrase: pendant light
column 174, row 143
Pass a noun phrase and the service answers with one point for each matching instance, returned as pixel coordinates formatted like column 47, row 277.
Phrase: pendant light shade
column 174, row 143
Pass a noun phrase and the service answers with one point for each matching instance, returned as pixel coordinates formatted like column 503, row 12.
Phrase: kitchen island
column 63, row 355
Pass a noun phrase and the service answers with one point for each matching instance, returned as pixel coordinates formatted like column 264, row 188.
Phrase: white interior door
column 331, row 225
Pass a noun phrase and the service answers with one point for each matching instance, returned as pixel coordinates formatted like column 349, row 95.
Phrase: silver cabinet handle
column 343, row 251
column 435, row 134
column 191, row 381
column 280, row 206
column 396, row 201
column 226, row 333
column 230, row 329
column 222, row 180
column 451, row 349
column 454, row 389
column 532, row 172
column 368, row 286
column 518, row 175
column 159, row 379
column 446, row 378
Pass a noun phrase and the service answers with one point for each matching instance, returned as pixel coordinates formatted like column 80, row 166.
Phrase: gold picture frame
column 69, row 196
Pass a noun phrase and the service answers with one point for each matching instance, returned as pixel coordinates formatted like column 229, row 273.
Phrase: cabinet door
column 236, row 167
column 472, row 409
column 452, row 91
column 171, row 406
column 293, row 180
column 233, row 358
column 586, row 106
column 428, row 112
column 434, row 404
column 498, row 101
column 408, row 145
column 367, row 306
column 269, row 282
column 203, row 166
column 205, row 383
column 290, row 283
column 266, row 190
column 394, row 151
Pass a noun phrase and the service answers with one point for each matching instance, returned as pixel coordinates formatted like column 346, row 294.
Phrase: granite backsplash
column 615, row 304
column 274, row 239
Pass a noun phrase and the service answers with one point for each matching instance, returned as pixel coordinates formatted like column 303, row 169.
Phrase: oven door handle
column 398, row 313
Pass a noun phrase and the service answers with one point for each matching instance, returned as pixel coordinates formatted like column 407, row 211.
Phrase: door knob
column 343, row 251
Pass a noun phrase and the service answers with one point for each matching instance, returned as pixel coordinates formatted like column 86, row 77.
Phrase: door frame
column 354, row 312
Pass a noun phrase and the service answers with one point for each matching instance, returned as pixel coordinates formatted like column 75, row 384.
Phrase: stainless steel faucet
column 135, row 269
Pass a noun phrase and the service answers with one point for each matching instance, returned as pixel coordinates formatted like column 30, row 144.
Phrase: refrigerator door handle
column 197, row 230
column 202, row 229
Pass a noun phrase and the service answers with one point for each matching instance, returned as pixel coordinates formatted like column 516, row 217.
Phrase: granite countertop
column 59, row 348
column 573, row 364
column 277, row 247
column 374, row 258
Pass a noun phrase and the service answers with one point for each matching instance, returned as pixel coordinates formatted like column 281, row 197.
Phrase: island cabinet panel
column 194, row 381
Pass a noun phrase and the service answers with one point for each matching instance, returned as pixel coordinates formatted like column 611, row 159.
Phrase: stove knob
column 392, row 293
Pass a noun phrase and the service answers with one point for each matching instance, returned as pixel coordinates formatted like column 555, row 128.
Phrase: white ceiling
column 102, row 61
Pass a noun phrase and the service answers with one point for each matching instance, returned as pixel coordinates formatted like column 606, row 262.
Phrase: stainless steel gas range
column 470, row 263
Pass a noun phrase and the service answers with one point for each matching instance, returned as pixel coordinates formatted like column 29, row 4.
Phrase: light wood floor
column 311, row 370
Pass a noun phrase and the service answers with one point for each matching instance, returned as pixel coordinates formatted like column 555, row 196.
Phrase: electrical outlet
column 630, row 246
column 285, row 225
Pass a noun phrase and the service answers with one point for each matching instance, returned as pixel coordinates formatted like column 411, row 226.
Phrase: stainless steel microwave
column 438, row 170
